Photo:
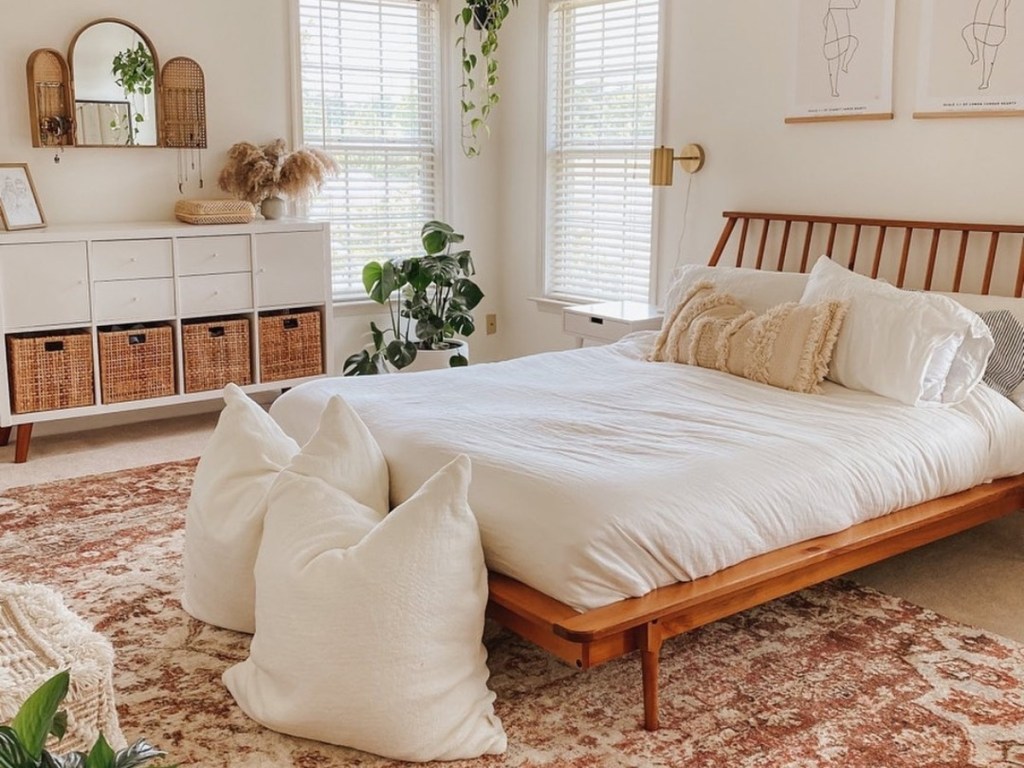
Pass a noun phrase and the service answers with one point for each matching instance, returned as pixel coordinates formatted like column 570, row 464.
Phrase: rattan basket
column 290, row 345
column 214, row 211
column 215, row 352
column 50, row 370
column 136, row 363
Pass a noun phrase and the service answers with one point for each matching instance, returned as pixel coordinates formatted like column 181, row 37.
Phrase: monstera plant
column 430, row 299
column 23, row 740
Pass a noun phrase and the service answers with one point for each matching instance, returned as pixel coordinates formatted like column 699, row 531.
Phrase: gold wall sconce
column 662, row 158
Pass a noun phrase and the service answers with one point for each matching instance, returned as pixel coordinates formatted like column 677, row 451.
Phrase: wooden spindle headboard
column 941, row 246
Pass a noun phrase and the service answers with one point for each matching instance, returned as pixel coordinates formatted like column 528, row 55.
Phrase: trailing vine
column 478, row 92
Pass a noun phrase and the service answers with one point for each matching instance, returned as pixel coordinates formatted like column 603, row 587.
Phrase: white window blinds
column 602, row 89
column 369, row 97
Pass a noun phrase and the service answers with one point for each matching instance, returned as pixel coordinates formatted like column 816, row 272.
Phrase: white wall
column 727, row 72
column 244, row 49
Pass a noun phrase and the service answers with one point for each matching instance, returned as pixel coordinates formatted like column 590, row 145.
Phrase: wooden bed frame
column 644, row 623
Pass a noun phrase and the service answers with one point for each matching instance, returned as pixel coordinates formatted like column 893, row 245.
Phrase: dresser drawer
column 594, row 327
column 213, row 294
column 44, row 284
column 133, row 300
column 128, row 259
column 212, row 255
column 290, row 269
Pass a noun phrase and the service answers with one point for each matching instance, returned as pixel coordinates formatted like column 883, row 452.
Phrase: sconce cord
column 682, row 234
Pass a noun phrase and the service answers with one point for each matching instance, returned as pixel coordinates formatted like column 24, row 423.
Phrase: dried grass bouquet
column 256, row 172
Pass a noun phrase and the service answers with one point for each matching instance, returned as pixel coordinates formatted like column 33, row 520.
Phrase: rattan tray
column 214, row 211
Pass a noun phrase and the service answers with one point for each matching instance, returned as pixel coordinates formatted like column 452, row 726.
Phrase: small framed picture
column 19, row 203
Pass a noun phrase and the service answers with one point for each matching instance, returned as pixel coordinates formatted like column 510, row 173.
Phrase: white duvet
column 599, row 476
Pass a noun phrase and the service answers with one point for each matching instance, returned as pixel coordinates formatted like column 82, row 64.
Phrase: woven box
column 137, row 363
column 50, row 370
column 214, row 211
column 290, row 346
column 216, row 352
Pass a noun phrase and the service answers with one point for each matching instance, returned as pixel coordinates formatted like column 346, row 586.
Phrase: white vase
column 436, row 359
column 273, row 208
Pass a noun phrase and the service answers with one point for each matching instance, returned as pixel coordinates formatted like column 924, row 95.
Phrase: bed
column 623, row 502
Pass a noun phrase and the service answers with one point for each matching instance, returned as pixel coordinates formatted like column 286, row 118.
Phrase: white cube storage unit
column 86, row 279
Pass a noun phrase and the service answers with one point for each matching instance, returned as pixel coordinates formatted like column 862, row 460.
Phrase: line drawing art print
column 985, row 34
column 842, row 62
column 972, row 58
column 840, row 44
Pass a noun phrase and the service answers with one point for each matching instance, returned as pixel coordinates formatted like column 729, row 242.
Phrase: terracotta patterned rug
column 835, row 675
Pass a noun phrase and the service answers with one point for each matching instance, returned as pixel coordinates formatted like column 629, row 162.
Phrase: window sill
column 358, row 307
column 555, row 306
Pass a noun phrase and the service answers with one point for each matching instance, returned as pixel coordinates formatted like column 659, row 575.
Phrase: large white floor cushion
column 40, row 636
column 377, row 644
column 224, row 520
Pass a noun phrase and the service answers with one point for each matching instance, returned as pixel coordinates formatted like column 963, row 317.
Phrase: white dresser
column 91, row 279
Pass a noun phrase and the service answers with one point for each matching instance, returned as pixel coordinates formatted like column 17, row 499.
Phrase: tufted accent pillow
column 789, row 346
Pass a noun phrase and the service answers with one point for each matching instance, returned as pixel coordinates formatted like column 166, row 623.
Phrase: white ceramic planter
column 434, row 359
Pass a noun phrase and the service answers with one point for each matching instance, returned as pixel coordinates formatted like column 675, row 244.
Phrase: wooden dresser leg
column 21, row 443
column 5, row 436
column 650, row 649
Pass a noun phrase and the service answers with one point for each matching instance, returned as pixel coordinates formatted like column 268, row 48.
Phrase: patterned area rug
column 835, row 675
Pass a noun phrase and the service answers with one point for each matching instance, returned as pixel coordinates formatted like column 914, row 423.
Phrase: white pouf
column 39, row 636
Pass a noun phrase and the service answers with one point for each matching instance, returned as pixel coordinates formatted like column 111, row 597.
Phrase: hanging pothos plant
column 479, row 90
column 135, row 73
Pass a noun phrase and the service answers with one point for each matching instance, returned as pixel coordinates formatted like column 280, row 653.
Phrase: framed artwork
column 19, row 204
column 842, row 60
column 972, row 59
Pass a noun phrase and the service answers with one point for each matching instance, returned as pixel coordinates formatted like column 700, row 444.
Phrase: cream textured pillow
column 224, row 520
column 788, row 346
column 917, row 348
column 374, row 645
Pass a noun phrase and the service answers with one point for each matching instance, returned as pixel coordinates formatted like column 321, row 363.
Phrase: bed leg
column 650, row 648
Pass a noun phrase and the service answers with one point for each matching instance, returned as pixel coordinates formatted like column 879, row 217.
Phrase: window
column 369, row 90
column 602, row 89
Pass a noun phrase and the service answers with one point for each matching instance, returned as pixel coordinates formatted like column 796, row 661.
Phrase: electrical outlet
column 492, row 324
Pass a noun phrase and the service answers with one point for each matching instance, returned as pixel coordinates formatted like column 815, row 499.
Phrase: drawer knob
column 217, row 292
column 134, row 299
column 261, row 270
column 133, row 259
column 213, row 255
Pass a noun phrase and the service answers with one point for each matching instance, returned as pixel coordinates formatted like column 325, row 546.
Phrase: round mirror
column 114, row 75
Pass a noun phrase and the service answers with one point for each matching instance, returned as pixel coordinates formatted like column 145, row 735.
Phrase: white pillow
column 375, row 645
column 756, row 289
column 917, row 348
column 224, row 520
column 1007, row 345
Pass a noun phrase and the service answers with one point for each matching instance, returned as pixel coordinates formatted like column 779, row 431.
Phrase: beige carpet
column 836, row 675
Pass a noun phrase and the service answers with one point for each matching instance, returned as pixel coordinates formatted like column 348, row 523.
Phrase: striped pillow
column 1005, row 370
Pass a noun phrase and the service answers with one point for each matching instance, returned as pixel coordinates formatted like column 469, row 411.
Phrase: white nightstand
column 610, row 320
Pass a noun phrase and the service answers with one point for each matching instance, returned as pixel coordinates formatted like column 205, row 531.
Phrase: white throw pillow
column 224, row 520
column 1007, row 350
column 375, row 645
column 917, row 348
column 756, row 289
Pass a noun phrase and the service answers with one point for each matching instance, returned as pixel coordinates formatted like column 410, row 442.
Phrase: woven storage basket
column 290, row 345
column 216, row 352
column 49, row 371
column 136, row 364
column 214, row 211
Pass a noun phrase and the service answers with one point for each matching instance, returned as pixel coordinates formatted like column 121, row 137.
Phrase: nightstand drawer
column 126, row 300
column 594, row 326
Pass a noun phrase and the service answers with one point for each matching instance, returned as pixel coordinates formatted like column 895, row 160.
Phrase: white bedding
column 599, row 476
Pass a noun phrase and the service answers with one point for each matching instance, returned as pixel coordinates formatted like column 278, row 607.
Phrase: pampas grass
column 256, row 172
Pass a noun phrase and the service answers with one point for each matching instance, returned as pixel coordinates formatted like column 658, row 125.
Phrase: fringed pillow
column 789, row 346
